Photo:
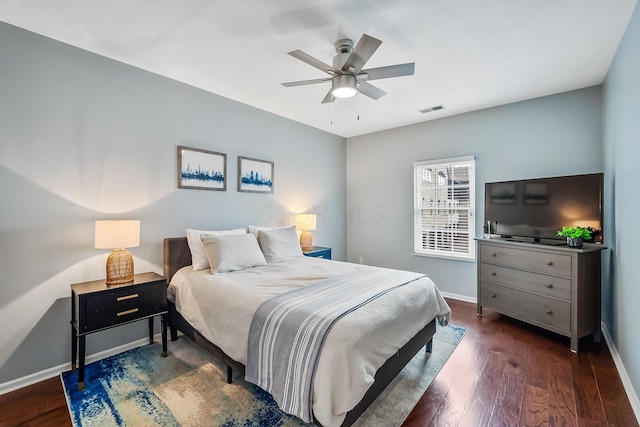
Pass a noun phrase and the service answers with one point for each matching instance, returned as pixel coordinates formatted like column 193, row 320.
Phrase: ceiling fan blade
column 371, row 91
column 388, row 71
column 360, row 54
column 306, row 82
column 328, row 98
column 329, row 69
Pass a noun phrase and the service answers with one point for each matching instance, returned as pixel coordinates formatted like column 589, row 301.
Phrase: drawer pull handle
column 549, row 262
column 549, row 286
column 124, row 313
column 493, row 273
column 549, row 312
column 493, row 295
column 126, row 297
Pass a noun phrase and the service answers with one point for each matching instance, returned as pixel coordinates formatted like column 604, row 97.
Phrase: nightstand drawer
column 106, row 316
column 116, row 305
column 123, row 296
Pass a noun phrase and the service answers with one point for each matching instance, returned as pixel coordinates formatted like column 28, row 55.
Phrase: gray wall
column 621, row 112
column 82, row 138
column 554, row 135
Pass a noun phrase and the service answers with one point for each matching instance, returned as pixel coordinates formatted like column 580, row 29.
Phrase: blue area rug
column 188, row 388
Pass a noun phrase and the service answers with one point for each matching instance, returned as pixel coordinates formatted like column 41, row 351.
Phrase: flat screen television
column 535, row 209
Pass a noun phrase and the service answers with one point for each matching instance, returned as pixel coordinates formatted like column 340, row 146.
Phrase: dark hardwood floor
column 503, row 373
column 508, row 373
column 41, row 404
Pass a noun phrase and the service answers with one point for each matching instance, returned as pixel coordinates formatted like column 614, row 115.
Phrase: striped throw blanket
column 288, row 331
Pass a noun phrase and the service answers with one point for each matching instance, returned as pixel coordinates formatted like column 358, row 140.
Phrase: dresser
column 553, row 287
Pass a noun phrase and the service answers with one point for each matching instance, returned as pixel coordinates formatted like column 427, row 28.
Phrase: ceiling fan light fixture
column 348, row 75
column 344, row 86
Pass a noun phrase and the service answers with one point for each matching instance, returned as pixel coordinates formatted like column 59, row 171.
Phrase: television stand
column 555, row 288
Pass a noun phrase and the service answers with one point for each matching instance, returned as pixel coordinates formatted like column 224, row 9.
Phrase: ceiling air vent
column 436, row 108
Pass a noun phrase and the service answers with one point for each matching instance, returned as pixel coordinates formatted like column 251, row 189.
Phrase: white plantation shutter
column 444, row 208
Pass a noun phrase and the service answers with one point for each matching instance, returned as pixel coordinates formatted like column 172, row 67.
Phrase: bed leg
column 173, row 331
column 229, row 374
column 429, row 346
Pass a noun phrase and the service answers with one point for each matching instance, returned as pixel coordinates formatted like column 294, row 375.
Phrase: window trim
column 470, row 256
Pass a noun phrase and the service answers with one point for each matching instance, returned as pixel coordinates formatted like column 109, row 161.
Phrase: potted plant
column 575, row 235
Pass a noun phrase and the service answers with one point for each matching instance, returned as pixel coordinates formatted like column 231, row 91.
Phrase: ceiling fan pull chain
column 358, row 104
column 331, row 119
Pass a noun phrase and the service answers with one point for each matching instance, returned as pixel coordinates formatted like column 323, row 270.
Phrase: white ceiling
column 469, row 54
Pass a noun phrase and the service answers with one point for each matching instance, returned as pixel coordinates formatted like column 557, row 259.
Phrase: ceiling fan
column 346, row 74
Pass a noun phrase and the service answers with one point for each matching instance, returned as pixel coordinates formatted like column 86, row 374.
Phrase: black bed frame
column 177, row 255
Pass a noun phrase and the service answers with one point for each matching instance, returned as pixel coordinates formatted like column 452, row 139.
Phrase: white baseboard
column 626, row 381
column 459, row 297
column 57, row 370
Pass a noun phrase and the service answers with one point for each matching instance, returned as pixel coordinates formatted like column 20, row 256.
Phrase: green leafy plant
column 575, row 232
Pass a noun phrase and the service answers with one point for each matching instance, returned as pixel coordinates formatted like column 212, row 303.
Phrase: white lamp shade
column 305, row 221
column 117, row 234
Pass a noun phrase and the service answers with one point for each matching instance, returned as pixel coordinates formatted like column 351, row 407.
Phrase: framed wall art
column 201, row 169
column 255, row 176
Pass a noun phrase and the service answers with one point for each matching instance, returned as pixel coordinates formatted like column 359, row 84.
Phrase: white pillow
column 255, row 229
column 198, row 257
column 232, row 252
column 280, row 244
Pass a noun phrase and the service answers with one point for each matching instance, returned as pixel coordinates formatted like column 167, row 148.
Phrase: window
column 444, row 208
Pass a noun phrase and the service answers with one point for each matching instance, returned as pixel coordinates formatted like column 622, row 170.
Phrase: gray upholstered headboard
column 176, row 254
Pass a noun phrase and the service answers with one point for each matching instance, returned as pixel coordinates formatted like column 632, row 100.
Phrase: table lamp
column 305, row 222
column 118, row 235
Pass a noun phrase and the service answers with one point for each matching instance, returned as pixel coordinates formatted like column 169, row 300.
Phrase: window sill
column 442, row 256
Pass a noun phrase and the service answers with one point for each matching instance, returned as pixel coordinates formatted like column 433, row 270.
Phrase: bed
column 193, row 324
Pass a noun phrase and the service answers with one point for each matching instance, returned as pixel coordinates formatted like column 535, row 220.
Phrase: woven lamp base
column 306, row 241
column 119, row 267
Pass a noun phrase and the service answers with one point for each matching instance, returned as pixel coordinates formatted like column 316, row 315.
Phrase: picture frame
column 201, row 169
column 255, row 176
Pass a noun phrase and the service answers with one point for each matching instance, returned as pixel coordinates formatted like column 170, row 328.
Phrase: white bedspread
column 221, row 307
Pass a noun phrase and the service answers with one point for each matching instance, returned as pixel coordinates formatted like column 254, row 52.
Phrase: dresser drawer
column 542, row 262
column 526, row 306
column 551, row 286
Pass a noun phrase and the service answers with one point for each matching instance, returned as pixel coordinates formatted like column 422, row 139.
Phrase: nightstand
column 319, row 252
column 96, row 306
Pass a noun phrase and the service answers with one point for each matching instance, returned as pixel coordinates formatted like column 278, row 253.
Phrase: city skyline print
column 201, row 169
column 255, row 176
